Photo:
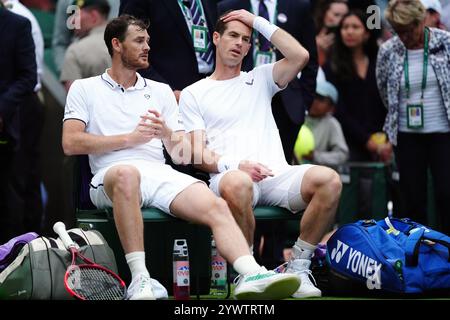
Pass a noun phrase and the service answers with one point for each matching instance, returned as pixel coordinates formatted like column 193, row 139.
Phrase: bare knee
column 237, row 187
column 324, row 180
column 123, row 182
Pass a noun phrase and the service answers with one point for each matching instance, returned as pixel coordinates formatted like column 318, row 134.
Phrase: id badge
column 264, row 57
column 414, row 116
column 200, row 38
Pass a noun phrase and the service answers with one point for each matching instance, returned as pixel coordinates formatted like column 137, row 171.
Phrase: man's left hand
column 156, row 125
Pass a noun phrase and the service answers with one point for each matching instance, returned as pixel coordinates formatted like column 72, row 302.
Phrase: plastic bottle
column 181, row 285
column 218, row 272
column 390, row 207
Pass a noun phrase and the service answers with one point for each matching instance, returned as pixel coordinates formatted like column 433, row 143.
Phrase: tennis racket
column 88, row 280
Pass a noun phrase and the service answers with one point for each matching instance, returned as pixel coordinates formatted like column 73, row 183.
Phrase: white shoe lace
column 305, row 272
column 308, row 274
column 139, row 286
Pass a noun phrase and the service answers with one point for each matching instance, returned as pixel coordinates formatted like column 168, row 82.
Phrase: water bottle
column 181, row 290
column 390, row 207
column 218, row 272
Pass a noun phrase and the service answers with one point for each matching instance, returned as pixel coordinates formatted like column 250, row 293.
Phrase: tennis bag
column 390, row 255
column 38, row 270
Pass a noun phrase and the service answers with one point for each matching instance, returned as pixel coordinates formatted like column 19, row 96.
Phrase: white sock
column 136, row 263
column 303, row 250
column 246, row 264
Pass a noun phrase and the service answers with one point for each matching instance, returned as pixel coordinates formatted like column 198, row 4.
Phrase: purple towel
column 10, row 250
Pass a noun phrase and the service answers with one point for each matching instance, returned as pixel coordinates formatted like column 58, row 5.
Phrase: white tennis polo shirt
column 236, row 115
column 109, row 109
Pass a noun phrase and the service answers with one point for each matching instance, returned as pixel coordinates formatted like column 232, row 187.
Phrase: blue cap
column 326, row 89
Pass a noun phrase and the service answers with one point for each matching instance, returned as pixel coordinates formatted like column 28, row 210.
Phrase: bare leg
column 122, row 185
column 321, row 188
column 236, row 187
column 205, row 208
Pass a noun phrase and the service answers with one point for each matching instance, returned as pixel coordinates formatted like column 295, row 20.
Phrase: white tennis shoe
column 267, row 285
column 300, row 267
column 146, row 288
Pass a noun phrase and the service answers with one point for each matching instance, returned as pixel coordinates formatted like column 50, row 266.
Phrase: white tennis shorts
column 160, row 184
column 281, row 190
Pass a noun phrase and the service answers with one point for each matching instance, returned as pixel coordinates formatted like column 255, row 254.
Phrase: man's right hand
column 255, row 170
column 140, row 135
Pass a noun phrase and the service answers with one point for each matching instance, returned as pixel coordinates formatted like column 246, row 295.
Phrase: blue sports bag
column 393, row 255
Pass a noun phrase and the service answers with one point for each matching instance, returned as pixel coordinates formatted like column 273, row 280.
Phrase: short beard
column 133, row 65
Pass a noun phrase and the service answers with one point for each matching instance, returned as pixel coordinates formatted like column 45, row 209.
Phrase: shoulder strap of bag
column 415, row 239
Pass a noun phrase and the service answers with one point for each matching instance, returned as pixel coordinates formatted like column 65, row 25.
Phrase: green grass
column 325, row 298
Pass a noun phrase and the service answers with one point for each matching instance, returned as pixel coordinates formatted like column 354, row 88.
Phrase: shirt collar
column 140, row 84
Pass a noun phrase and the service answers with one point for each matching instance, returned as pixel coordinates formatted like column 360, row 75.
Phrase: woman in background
column 413, row 75
column 352, row 70
column 327, row 18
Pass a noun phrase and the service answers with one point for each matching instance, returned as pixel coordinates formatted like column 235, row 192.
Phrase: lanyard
column 424, row 70
column 187, row 12
column 255, row 33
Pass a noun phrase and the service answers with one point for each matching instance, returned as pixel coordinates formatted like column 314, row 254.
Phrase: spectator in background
column 62, row 35
column 18, row 79
column 330, row 148
column 89, row 56
column 38, row 39
column 413, row 77
column 352, row 70
column 327, row 19
column 433, row 15
column 31, row 124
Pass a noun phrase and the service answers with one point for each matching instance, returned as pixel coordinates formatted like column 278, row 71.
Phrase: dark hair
column 118, row 27
column 321, row 10
column 221, row 26
column 341, row 60
column 102, row 7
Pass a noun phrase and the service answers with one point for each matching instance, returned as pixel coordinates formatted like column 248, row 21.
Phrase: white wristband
column 264, row 27
column 225, row 163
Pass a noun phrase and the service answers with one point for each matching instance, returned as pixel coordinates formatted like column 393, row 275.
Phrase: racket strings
column 95, row 284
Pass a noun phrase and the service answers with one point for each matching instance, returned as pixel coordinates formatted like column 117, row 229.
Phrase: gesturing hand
column 155, row 125
column 255, row 170
column 324, row 40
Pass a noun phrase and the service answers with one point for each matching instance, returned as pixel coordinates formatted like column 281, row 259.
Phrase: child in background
column 330, row 148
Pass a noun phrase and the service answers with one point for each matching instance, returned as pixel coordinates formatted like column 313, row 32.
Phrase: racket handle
column 60, row 229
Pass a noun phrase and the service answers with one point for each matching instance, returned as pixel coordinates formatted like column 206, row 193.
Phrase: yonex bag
column 38, row 270
column 392, row 255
